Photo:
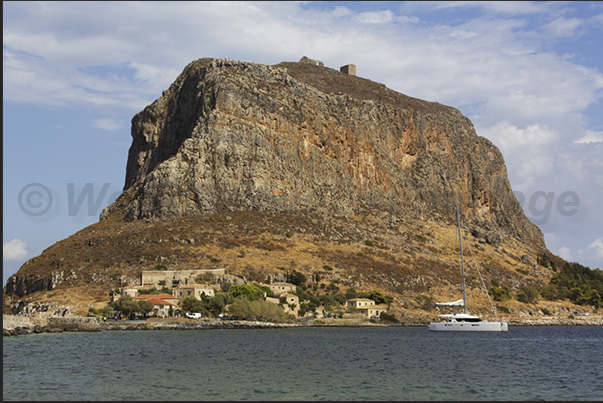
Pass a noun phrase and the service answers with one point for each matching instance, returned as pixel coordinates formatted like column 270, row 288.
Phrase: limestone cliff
column 296, row 136
column 258, row 169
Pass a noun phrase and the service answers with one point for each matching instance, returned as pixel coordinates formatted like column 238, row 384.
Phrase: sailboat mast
column 458, row 219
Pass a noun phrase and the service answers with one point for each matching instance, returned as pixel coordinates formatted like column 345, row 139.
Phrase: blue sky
column 529, row 75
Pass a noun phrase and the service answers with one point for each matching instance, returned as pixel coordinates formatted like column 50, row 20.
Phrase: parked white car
column 193, row 315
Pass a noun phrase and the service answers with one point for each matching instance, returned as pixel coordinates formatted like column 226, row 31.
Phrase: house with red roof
column 161, row 303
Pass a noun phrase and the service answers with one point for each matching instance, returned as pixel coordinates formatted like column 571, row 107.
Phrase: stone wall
column 152, row 278
column 13, row 325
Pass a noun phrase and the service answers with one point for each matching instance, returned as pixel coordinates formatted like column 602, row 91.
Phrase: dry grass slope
column 410, row 259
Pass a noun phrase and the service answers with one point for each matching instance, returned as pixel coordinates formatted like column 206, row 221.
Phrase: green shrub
column 248, row 291
column 151, row 290
column 297, row 278
column 502, row 293
column 192, row 304
column 543, row 260
column 205, row 278
column 553, row 292
column 503, row 309
column 425, row 302
column 369, row 243
column 388, row 318
column 527, row 294
column 104, row 311
column 380, row 298
column 253, row 310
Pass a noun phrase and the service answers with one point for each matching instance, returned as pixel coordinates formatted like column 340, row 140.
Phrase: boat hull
column 468, row 326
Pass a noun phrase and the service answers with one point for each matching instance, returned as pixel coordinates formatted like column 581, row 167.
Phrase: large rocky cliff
column 260, row 169
column 298, row 136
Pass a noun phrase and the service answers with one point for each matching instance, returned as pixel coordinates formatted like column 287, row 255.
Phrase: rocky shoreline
column 19, row 325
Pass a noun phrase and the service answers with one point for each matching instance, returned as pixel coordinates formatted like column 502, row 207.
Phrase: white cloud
column 565, row 253
column 108, row 124
column 510, row 137
column 374, row 17
column 527, row 151
column 509, row 8
column 563, row 27
column 14, row 250
column 594, row 251
column 590, row 136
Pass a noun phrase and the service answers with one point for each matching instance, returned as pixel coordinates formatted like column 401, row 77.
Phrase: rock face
column 300, row 136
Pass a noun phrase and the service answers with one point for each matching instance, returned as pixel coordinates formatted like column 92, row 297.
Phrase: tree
column 244, row 308
column 297, row 278
column 192, row 304
column 585, row 295
column 217, row 303
column 500, row 293
column 102, row 312
column 145, row 306
column 267, row 290
column 351, row 293
column 377, row 297
column 527, row 294
column 552, row 292
column 340, row 298
column 249, row 291
column 126, row 305
column 582, row 285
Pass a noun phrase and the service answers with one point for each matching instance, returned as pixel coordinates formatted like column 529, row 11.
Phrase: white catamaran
column 463, row 322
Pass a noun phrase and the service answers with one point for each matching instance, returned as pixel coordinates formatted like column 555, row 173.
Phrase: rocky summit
column 297, row 136
column 262, row 169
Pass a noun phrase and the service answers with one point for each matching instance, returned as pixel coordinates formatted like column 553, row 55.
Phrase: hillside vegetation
column 416, row 262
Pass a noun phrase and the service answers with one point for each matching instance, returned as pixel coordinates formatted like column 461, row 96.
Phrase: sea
column 307, row 363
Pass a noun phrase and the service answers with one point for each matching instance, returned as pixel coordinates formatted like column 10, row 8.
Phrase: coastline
column 19, row 325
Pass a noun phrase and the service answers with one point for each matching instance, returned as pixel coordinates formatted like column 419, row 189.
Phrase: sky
column 529, row 75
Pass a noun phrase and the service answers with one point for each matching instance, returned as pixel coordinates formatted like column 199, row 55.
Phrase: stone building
column 291, row 305
column 359, row 302
column 132, row 290
column 173, row 278
column 372, row 310
column 194, row 290
column 279, row 287
column 349, row 69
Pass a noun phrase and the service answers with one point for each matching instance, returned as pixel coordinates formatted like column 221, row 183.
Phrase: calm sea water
column 394, row 363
